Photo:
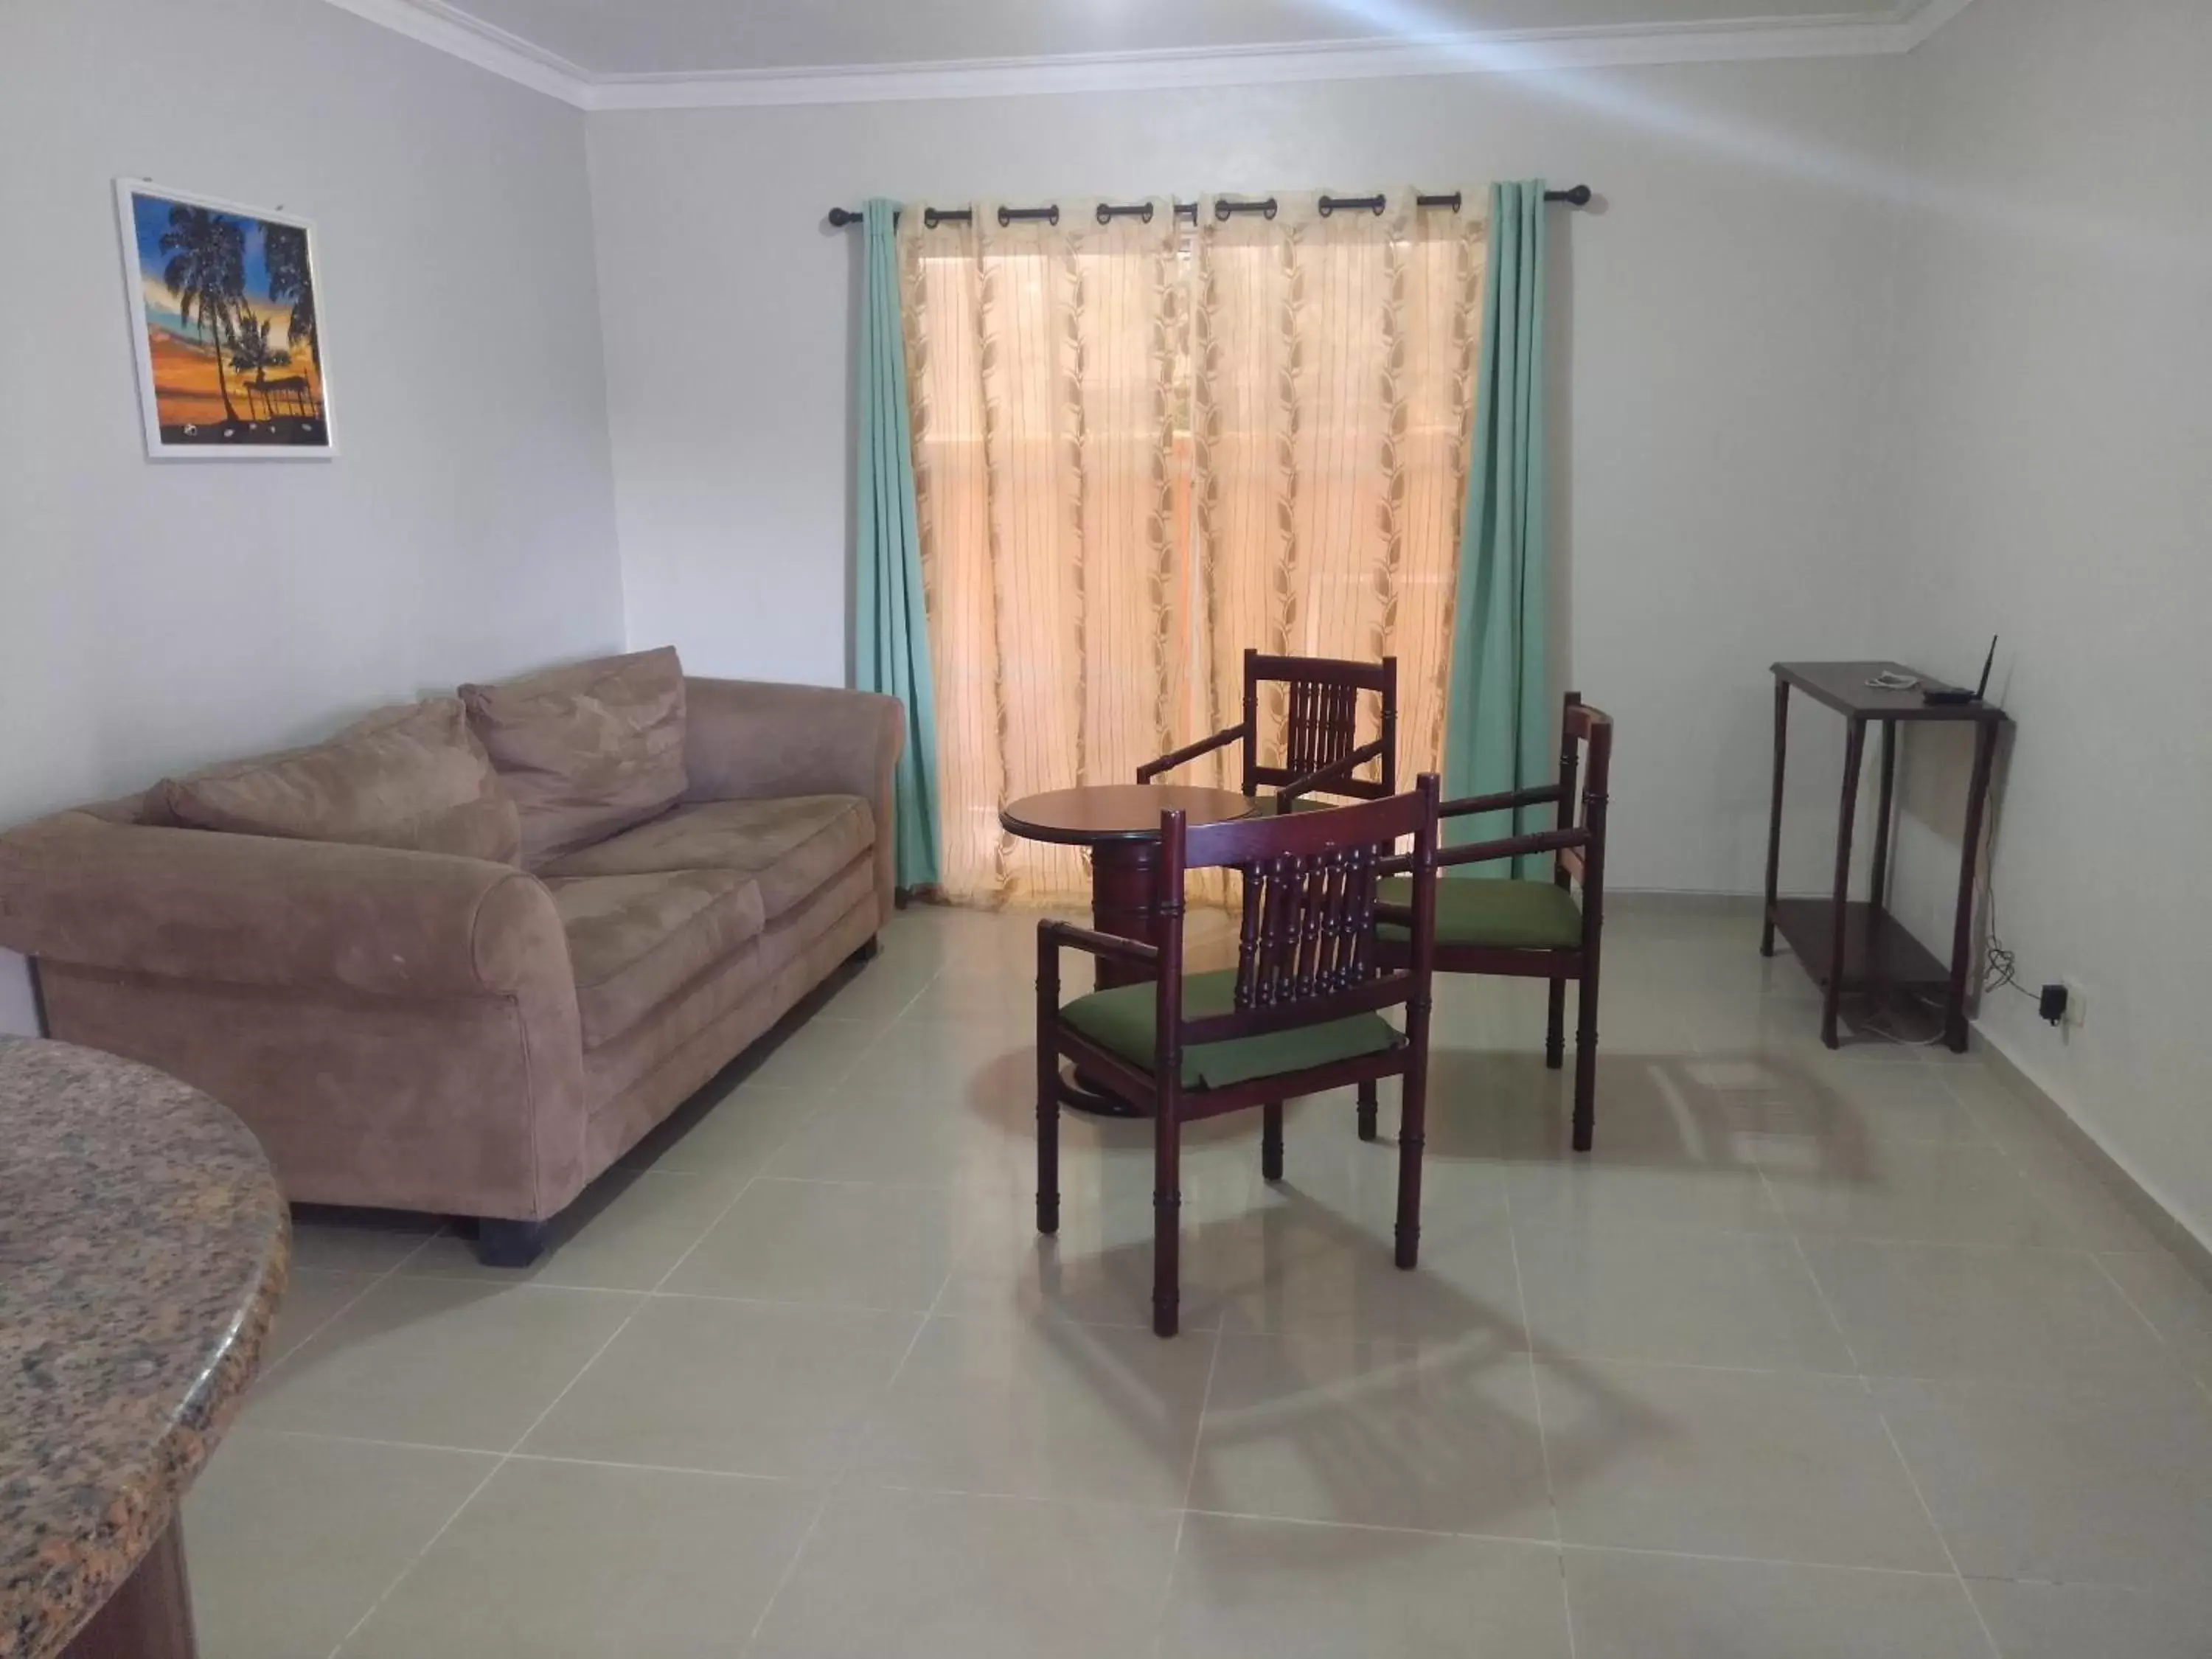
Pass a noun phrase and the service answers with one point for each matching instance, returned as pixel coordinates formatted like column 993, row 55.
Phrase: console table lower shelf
column 1878, row 953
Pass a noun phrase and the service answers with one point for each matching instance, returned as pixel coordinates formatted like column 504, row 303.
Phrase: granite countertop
column 143, row 1246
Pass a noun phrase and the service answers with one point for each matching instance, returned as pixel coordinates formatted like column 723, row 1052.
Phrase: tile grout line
column 835, row 1483
column 1536, row 1394
column 504, row 1459
column 2149, row 1324
column 1882, row 1416
column 1835, row 1319
column 1189, row 1488
column 789, row 1130
column 375, row 1282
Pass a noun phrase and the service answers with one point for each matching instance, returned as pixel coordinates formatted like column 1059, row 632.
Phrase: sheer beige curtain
column 1141, row 446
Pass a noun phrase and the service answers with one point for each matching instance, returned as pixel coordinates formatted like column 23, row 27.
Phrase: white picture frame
column 216, row 304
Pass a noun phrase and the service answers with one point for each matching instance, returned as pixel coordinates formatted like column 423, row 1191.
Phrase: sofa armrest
column 258, row 910
column 752, row 739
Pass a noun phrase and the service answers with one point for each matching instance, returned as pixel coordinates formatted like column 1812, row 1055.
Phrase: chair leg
column 1585, row 1063
column 1047, row 1140
column 1271, row 1140
column 1413, row 1135
column 1167, row 1213
column 1167, row 1271
column 1555, row 1030
column 1367, row 1129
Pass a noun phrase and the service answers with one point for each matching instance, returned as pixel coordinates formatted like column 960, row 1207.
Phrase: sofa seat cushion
column 586, row 750
column 636, row 941
column 1121, row 1021
column 412, row 777
column 1506, row 915
column 791, row 847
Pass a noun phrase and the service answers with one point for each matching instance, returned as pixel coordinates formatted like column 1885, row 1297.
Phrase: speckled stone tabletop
column 143, row 1246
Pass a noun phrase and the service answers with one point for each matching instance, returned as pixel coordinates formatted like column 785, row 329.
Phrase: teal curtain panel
column 890, row 625
column 1497, row 719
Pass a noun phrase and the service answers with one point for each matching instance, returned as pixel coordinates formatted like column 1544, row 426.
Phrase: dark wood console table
column 1848, row 946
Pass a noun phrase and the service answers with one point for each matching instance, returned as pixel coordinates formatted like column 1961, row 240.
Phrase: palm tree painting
column 226, row 332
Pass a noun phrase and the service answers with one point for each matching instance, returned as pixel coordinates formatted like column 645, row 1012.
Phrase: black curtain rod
column 1224, row 207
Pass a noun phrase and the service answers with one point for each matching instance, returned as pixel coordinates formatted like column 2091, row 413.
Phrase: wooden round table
column 1120, row 823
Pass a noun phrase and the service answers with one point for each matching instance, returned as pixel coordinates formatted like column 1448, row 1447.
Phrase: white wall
column 1720, row 326
column 156, row 616
column 2055, row 483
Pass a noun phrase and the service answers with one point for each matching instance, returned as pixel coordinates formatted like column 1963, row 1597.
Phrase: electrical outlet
column 2077, row 1004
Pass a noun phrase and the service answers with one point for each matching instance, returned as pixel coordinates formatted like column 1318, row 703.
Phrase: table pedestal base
column 1080, row 1092
column 150, row 1615
column 1120, row 904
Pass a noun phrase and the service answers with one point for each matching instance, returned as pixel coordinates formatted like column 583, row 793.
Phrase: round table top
column 144, row 1247
column 1118, row 811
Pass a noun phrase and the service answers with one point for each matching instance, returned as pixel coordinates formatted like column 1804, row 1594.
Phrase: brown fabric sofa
column 444, row 1031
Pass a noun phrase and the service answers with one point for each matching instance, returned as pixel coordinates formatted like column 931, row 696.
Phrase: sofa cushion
column 412, row 777
column 790, row 846
column 586, row 750
column 636, row 941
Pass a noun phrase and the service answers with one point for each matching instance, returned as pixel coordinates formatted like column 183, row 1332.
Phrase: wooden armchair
column 1299, row 1013
column 1321, row 750
column 1530, row 929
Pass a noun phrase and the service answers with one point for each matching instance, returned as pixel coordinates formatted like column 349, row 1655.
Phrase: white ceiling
column 605, row 38
column 664, row 54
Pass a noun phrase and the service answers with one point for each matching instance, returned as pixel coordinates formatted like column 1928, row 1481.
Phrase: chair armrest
column 1220, row 739
column 1484, row 852
column 1500, row 802
column 258, row 910
column 1334, row 770
column 1135, row 952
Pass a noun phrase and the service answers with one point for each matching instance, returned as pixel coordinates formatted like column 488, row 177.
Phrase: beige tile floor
column 1835, row 1355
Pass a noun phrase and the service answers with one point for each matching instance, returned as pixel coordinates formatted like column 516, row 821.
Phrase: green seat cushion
column 1121, row 1021
column 1511, row 915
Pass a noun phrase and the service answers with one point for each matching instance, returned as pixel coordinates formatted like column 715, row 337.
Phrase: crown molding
column 449, row 29
column 455, row 33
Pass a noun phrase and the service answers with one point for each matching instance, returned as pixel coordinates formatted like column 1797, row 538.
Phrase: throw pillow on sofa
column 587, row 751
column 412, row 777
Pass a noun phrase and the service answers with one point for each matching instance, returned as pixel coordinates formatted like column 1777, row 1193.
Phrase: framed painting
column 225, row 327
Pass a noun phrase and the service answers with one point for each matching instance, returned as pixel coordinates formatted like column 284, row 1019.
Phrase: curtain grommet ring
column 929, row 218
column 1268, row 210
column 1005, row 218
column 1328, row 206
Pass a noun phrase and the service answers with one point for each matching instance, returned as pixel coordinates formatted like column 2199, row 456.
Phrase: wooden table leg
column 150, row 1615
column 1774, row 816
column 1881, row 822
column 1831, row 1003
column 1122, row 877
column 1962, row 926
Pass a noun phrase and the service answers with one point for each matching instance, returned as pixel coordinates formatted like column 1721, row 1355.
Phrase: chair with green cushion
column 1321, row 753
column 1301, row 1013
column 1530, row 929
